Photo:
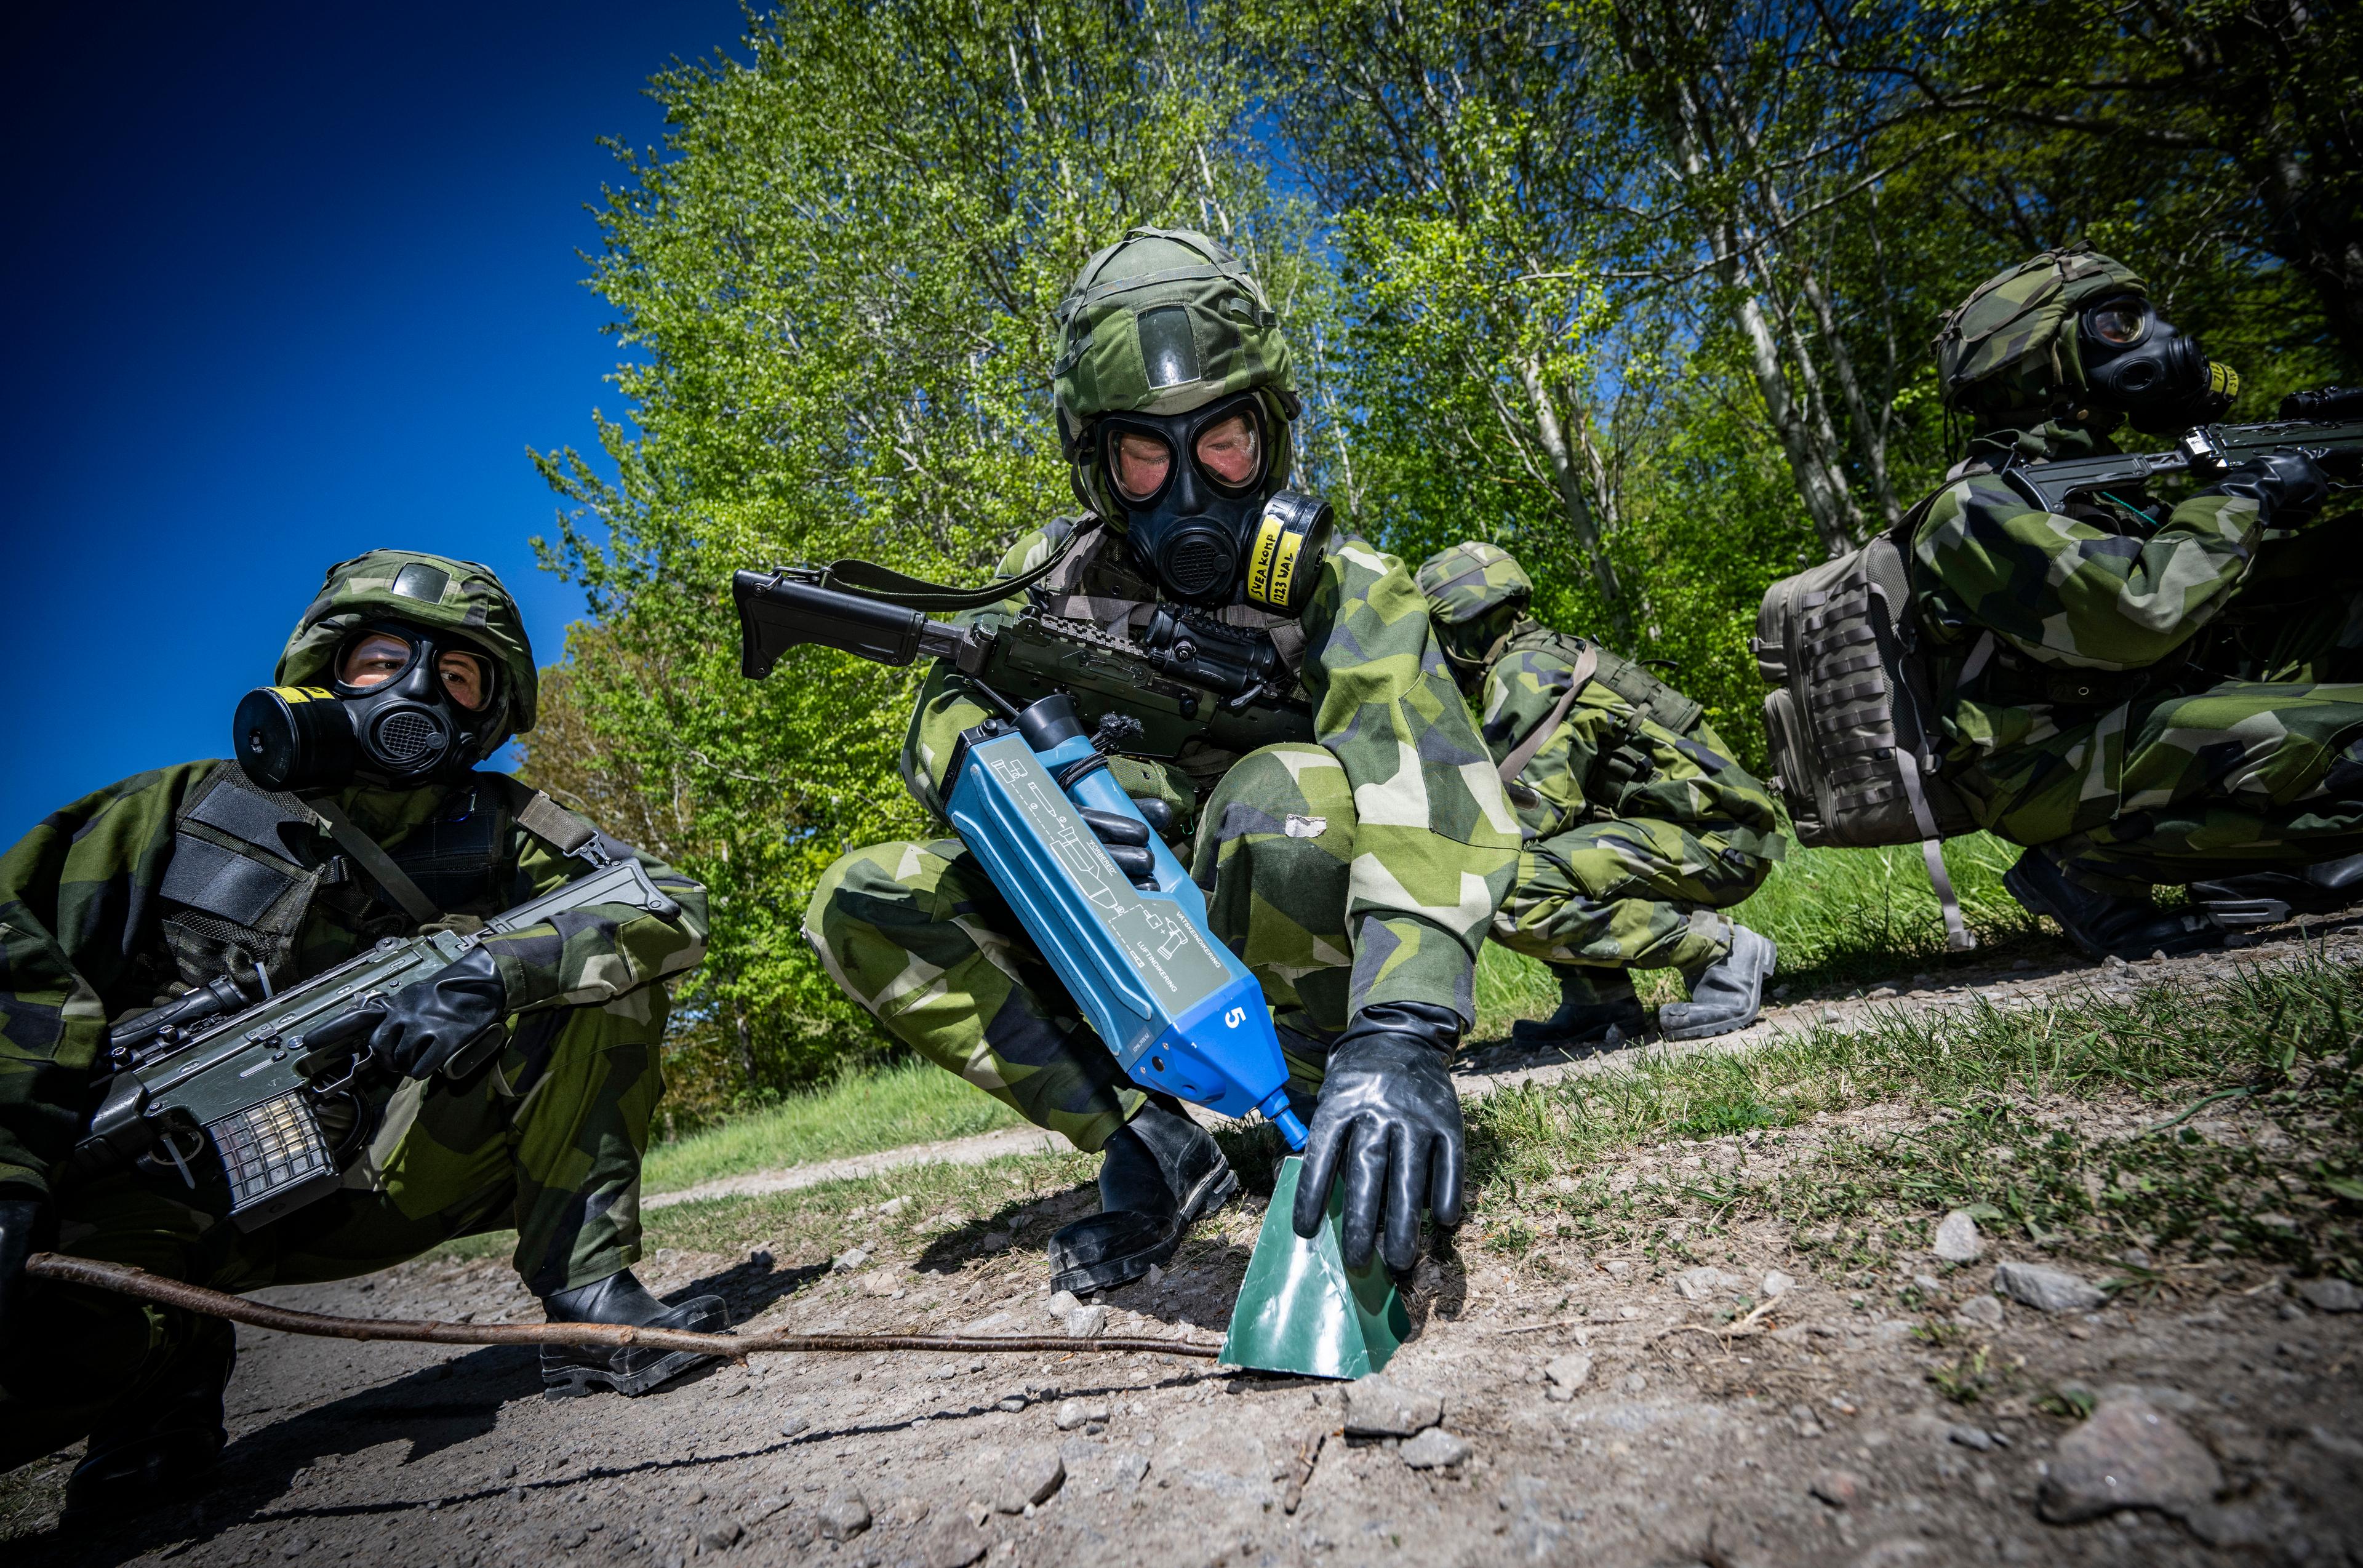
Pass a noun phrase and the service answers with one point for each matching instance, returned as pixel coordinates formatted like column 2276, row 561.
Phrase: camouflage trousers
column 1627, row 895
column 549, row 1140
column 917, row 933
column 2240, row 776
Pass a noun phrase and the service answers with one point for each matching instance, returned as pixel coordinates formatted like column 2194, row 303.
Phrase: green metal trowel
column 1300, row 1308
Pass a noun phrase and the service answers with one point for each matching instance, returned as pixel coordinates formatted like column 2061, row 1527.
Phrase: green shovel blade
column 1301, row 1310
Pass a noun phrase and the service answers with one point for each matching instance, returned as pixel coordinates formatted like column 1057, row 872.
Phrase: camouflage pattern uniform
column 1635, row 833
column 2084, row 709
column 1360, row 870
column 547, row 1139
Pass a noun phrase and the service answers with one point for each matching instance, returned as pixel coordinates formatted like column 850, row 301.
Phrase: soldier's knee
column 1275, row 786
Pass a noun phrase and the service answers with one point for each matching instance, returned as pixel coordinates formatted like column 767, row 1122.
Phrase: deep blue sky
column 286, row 282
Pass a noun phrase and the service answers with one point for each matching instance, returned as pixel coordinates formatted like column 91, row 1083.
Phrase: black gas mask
column 395, row 712
column 2136, row 360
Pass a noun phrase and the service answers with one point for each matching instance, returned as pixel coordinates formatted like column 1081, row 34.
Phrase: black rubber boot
column 2269, row 897
column 1160, row 1172
column 167, row 1438
column 569, row 1371
column 1595, row 1004
column 2106, row 924
column 1727, row 993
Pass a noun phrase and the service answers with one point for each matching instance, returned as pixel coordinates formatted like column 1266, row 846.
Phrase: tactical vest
column 249, row 865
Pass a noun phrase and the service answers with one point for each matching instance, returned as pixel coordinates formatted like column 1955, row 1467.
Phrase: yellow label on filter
column 1260, row 559
column 1283, row 571
column 303, row 693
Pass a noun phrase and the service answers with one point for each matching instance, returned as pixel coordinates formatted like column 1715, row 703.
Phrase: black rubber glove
column 426, row 1024
column 27, row 1226
column 1160, row 815
column 1389, row 1126
column 1127, row 842
column 2281, row 483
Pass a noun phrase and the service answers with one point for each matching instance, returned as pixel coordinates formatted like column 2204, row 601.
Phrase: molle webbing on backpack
column 1851, row 717
column 1657, row 702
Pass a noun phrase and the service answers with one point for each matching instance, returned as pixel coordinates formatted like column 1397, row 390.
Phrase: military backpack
column 1851, row 716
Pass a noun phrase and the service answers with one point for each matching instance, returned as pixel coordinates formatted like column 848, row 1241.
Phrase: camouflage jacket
column 2029, row 612
column 1608, row 758
column 84, row 938
column 1435, row 846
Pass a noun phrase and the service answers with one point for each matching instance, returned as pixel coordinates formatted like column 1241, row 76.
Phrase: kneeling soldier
column 1354, row 874
column 1638, row 825
column 180, row 877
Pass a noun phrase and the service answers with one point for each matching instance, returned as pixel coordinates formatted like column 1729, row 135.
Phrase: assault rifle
column 1182, row 676
column 249, row 1084
column 2326, row 423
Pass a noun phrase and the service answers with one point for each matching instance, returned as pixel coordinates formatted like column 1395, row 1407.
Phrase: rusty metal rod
column 287, row 1320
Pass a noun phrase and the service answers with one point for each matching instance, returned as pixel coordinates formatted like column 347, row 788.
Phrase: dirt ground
column 1699, row 1417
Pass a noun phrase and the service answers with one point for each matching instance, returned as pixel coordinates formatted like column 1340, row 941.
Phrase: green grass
column 863, row 1110
column 1982, row 1091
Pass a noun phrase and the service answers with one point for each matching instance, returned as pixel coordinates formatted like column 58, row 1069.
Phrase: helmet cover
column 1476, row 594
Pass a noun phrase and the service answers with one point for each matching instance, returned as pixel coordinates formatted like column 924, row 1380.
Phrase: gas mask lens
column 2121, row 323
column 1230, row 453
column 376, row 657
column 1227, row 453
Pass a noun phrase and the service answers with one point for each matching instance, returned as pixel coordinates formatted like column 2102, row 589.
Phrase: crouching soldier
column 1354, row 874
column 191, row 875
column 2079, row 656
column 1638, row 825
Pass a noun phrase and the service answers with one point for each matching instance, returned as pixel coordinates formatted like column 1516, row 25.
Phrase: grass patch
column 863, row 1110
column 1983, row 1102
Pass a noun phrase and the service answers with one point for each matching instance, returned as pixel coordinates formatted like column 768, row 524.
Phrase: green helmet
column 434, row 591
column 1163, row 321
column 1476, row 596
column 2012, row 348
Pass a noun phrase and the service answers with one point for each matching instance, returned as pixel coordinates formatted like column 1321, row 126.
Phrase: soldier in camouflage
column 2085, row 704
column 1638, row 825
column 175, row 878
column 1356, row 875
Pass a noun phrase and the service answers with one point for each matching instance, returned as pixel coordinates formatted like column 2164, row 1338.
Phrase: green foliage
column 1641, row 291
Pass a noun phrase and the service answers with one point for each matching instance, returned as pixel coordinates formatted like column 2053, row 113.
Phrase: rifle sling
column 1516, row 762
column 380, row 866
column 917, row 594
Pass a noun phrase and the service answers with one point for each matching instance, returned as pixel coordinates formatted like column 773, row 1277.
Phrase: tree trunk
column 1552, row 432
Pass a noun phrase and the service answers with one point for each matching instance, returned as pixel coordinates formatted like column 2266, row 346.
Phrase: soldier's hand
column 1388, row 1126
column 1127, row 842
column 426, row 1024
column 26, row 1225
column 2281, row 483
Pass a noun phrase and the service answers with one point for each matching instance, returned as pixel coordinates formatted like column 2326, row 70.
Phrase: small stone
column 1156, row 1276
column 1434, row 1448
column 844, row 1514
column 882, row 1282
column 1013, row 1400
column 1829, row 1014
column 1928, row 1284
column 719, row 1535
column 1376, row 1407
column 1776, row 1284
column 1634, row 1383
column 847, row 1262
column 1087, row 1322
column 2330, row 1294
column 893, row 1206
column 2047, row 1289
column 2129, row 1454
column 1980, row 1312
column 994, row 1241
column 792, row 1424
column 1957, row 1239
column 1074, row 1413
column 1566, row 1374
column 950, row 1542
column 1705, row 1281
column 1060, row 1303
column 1029, row 1477
column 1838, row 1488
column 1976, row 1438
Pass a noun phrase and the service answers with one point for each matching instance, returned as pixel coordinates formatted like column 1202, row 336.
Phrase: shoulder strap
column 918, row 594
column 380, row 866
column 1516, row 762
